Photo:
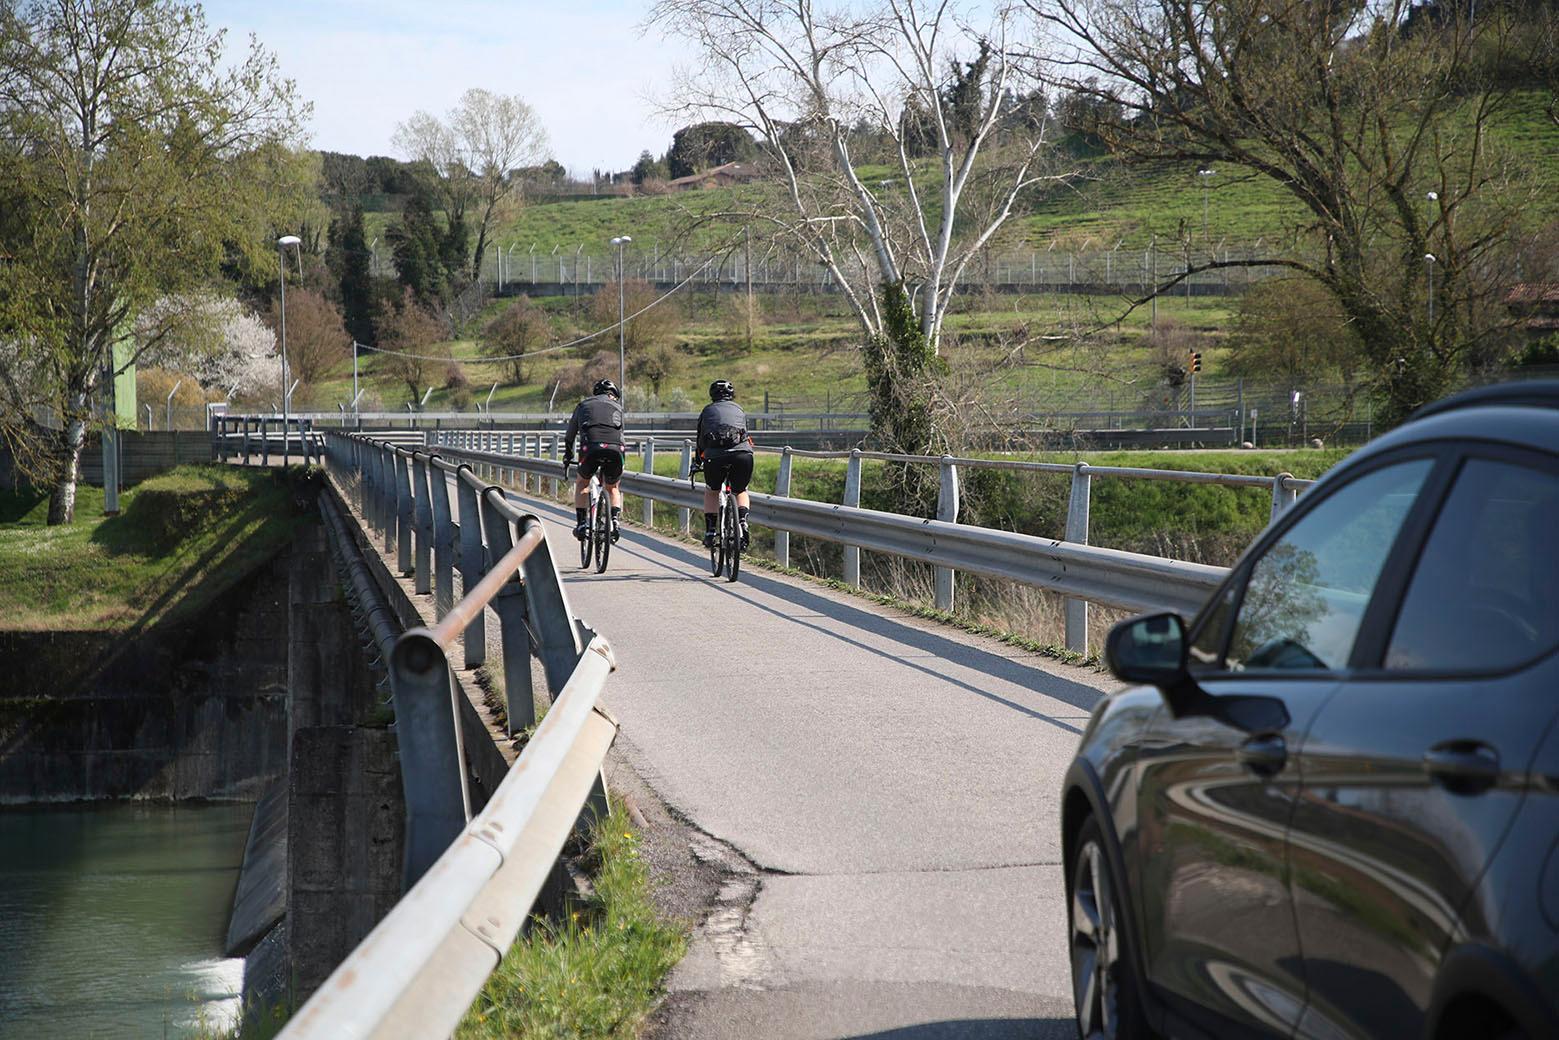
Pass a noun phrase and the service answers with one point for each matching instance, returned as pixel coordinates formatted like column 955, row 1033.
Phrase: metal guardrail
column 1084, row 573
column 472, row 879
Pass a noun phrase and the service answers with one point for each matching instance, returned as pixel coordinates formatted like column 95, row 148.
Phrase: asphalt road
column 884, row 791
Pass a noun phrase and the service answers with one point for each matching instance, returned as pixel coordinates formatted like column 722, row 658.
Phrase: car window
column 1485, row 594
column 1206, row 650
column 1306, row 594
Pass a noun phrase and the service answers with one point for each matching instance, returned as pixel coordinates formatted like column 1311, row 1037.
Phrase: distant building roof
column 1532, row 294
column 731, row 171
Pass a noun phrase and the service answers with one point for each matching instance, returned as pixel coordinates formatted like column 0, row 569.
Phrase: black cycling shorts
column 604, row 460
column 735, row 467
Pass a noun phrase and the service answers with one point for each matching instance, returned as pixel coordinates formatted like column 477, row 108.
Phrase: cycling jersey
column 597, row 422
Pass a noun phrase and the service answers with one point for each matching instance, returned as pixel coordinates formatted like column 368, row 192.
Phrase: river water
column 112, row 919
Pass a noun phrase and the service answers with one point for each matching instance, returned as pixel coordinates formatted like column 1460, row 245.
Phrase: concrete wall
column 199, row 711
column 143, row 455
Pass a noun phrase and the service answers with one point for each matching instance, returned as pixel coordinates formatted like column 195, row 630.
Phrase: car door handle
column 1263, row 755
column 1463, row 766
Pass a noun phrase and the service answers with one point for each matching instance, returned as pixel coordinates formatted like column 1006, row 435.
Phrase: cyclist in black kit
column 726, row 453
column 597, row 424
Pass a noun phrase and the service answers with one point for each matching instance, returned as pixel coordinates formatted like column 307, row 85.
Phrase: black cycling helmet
column 722, row 390
column 606, row 386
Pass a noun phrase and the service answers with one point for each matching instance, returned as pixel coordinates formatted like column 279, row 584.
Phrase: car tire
column 1105, row 995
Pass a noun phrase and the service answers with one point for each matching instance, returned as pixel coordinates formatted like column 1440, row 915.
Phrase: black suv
column 1332, row 807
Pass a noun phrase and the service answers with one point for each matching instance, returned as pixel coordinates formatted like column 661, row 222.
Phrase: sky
column 582, row 64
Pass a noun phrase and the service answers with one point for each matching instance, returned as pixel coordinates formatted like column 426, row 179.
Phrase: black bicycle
column 597, row 541
column 726, row 554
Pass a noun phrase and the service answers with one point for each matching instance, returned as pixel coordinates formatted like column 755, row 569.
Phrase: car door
column 1219, row 783
column 1413, row 771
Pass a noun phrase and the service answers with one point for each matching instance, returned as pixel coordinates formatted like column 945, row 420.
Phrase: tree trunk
column 62, row 503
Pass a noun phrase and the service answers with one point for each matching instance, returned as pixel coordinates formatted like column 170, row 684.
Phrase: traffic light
column 1196, row 361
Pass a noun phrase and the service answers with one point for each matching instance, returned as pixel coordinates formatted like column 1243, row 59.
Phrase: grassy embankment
column 596, row 974
column 181, row 539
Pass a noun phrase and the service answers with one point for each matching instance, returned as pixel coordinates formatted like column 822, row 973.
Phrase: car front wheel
column 1104, row 989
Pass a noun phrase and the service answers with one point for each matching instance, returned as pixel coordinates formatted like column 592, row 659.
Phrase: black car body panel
column 1362, row 849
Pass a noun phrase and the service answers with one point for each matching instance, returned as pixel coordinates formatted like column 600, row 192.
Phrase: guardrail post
column 557, row 636
column 519, row 698
column 422, row 514
column 782, row 490
column 265, row 442
column 472, row 564
column 852, row 498
column 386, row 497
column 554, row 452
column 432, row 757
column 1077, row 531
column 649, row 467
column 1283, row 496
column 946, row 510
column 684, row 472
column 246, row 422
column 404, row 516
column 444, row 542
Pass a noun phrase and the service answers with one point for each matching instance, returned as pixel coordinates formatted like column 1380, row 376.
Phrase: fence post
column 852, row 498
column 403, row 513
column 520, row 702
column 782, row 490
column 265, row 442
column 444, row 535
column 472, row 564
column 946, row 510
column 387, row 496
column 422, row 515
column 1283, row 496
column 684, row 472
column 649, row 467
column 1077, row 531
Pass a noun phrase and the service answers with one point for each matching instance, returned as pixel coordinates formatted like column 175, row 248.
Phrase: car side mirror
column 1150, row 649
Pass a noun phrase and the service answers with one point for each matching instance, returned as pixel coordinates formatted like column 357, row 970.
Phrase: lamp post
column 1205, row 175
column 622, row 354
column 1429, row 262
column 282, row 244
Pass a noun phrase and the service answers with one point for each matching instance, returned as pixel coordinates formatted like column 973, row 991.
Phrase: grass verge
column 596, row 974
column 180, row 540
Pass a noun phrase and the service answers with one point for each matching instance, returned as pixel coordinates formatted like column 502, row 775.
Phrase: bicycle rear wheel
column 732, row 537
column 717, row 550
column 587, row 543
column 603, row 534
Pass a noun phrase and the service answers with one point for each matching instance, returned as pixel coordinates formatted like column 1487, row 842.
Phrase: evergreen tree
column 349, row 253
column 418, row 244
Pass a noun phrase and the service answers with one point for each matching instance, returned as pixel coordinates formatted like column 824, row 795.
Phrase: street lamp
column 1429, row 262
column 1206, row 175
column 282, row 245
column 622, row 354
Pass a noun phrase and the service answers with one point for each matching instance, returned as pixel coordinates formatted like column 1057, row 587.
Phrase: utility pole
column 747, row 264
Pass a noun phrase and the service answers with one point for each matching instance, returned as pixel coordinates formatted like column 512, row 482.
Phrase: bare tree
column 810, row 82
column 317, row 341
column 475, row 150
column 1376, row 123
column 407, row 336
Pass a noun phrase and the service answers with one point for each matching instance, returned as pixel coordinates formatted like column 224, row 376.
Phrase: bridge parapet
column 472, row 879
column 1082, row 572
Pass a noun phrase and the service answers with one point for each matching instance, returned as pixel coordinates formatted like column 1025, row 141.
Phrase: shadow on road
column 981, row 1029
column 687, row 564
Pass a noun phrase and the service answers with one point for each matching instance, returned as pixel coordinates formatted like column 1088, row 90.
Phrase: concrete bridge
column 858, row 809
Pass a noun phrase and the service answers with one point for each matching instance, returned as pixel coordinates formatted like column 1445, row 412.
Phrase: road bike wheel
column 587, row 543
column 717, row 550
column 603, row 535
column 733, row 542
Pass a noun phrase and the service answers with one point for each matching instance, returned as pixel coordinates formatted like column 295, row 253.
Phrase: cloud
column 583, row 65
